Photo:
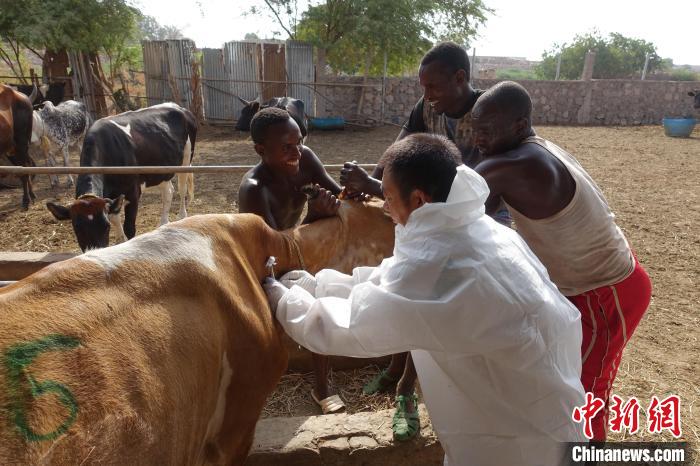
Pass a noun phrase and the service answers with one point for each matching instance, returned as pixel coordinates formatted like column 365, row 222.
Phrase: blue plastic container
column 679, row 127
column 327, row 123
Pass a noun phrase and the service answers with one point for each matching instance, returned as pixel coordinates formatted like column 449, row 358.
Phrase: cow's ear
column 255, row 106
column 691, row 94
column 115, row 205
column 58, row 211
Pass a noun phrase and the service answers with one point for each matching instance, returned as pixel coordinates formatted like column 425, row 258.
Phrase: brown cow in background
column 15, row 134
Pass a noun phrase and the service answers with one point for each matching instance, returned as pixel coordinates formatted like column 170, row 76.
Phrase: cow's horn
column 245, row 102
column 34, row 93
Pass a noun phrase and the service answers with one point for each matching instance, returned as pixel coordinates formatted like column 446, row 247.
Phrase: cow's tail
column 191, row 122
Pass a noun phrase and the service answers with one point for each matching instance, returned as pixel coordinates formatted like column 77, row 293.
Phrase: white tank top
column 581, row 245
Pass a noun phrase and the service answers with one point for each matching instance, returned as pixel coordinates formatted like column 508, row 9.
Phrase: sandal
column 381, row 382
column 329, row 405
column 405, row 425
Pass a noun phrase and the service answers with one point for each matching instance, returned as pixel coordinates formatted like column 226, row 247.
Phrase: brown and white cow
column 15, row 134
column 160, row 350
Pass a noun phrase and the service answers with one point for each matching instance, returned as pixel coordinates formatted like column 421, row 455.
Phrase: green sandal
column 405, row 425
column 381, row 382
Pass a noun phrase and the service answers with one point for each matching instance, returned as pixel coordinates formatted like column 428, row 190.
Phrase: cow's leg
column 26, row 190
column 116, row 221
column 185, row 181
column 166, row 195
column 65, row 163
column 51, row 162
column 130, row 212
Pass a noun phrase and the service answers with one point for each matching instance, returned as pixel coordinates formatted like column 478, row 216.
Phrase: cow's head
column 91, row 217
column 247, row 113
column 696, row 94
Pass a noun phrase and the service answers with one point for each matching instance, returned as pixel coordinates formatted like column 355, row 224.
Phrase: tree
column 150, row 29
column 617, row 56
column 354, row 34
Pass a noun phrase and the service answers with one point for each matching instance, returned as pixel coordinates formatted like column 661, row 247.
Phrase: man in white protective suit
column 497, row 348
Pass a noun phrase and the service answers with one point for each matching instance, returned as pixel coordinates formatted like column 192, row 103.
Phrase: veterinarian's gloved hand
column 274, row 291
column 301, row 278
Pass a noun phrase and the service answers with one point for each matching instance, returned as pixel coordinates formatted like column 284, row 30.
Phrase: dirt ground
column 651, row 182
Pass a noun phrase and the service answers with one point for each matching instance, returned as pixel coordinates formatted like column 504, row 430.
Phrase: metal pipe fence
column 141, row 170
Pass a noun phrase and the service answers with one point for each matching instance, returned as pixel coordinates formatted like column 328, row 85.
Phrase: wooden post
column 556, row 77
column 588, row 66
column 473, row 67
column 646, row 66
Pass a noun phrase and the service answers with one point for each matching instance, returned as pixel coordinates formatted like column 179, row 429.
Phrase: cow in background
column 159, row 135
column 59, row 127
column 161, row 350
column 15, row 134
column 295, row 107
column 696, row 94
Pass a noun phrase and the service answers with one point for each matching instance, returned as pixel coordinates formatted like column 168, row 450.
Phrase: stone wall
column 595, row 102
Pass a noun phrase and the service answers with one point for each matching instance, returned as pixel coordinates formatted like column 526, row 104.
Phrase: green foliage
column 85, row 25
column 355, row 34
column 514, row 74
column 683, row 74
column 148, row 28
column 617, row 56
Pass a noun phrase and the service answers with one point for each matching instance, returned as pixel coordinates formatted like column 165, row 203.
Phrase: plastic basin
column 678, row 127
column 327, row 123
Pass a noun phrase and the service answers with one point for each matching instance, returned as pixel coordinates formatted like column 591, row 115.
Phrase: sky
column 517, row 28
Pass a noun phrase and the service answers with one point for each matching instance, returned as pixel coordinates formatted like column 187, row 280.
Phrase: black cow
column 295, row 107
column 61, row 126
column 696, row 94
column 53, row 92
column 160, row 135
column 15, row 134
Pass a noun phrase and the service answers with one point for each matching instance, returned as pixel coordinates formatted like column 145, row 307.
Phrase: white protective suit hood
column 497, row 348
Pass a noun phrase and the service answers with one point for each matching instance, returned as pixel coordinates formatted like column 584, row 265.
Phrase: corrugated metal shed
column 218, row 96
column 168, row 69
column 241, row 69
column 274, row 69
column 242, row 62
column 300, row 69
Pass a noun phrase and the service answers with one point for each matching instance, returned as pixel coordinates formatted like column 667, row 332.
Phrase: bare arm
column 319, row 175
column 498, row 178
column 253, row 199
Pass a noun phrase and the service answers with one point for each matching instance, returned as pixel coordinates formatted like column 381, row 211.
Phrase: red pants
column 609, row 316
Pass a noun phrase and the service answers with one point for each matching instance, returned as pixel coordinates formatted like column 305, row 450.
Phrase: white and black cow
column 160, row 135
column 295, row 107
column 59, row 127
column 696, row 94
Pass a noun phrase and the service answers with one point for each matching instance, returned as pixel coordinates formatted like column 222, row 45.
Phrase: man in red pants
column 566, row 221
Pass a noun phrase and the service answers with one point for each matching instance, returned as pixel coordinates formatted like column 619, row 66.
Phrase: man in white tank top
column 564, row 218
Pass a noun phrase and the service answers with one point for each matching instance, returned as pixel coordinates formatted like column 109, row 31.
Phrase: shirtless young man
column 563, row 216
column 272, row 190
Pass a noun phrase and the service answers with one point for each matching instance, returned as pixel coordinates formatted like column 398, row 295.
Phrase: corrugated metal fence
column 300, row 69
column 168, row 69
column 240, row 69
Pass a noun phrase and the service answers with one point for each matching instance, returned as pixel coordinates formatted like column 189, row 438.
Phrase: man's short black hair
column 507, row 99
column 264, row 119
column 423, row 161
column 450, row 55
